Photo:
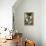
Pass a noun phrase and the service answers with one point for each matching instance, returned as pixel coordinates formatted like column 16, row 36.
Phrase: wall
column 30, row 32
column 6, row 13
column 43, row 22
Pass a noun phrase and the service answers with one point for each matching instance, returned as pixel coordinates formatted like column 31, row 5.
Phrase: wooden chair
column 18, row 39
column 29, row 43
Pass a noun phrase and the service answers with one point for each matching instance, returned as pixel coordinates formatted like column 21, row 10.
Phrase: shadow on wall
column 32, row 31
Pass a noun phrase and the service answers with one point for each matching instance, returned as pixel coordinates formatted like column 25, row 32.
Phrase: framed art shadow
column 28, row 18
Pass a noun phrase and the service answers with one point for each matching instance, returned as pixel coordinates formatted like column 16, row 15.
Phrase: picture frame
column 28, row 18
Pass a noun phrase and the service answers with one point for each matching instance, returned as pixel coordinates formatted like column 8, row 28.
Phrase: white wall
column 43, row 22
column 31, row 32
column 6, row 13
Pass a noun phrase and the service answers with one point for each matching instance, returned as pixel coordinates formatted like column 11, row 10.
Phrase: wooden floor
column 9, row 43
column 16, row 41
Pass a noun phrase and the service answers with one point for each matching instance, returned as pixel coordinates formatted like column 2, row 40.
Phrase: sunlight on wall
column 6, row 13
column 6, row 18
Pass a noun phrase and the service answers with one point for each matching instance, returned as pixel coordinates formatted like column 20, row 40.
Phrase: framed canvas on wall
column 28, row 18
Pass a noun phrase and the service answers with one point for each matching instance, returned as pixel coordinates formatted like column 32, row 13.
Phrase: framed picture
column 28, row 18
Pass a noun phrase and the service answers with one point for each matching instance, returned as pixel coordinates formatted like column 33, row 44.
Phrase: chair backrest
column 18, row 37
column 29, row 43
